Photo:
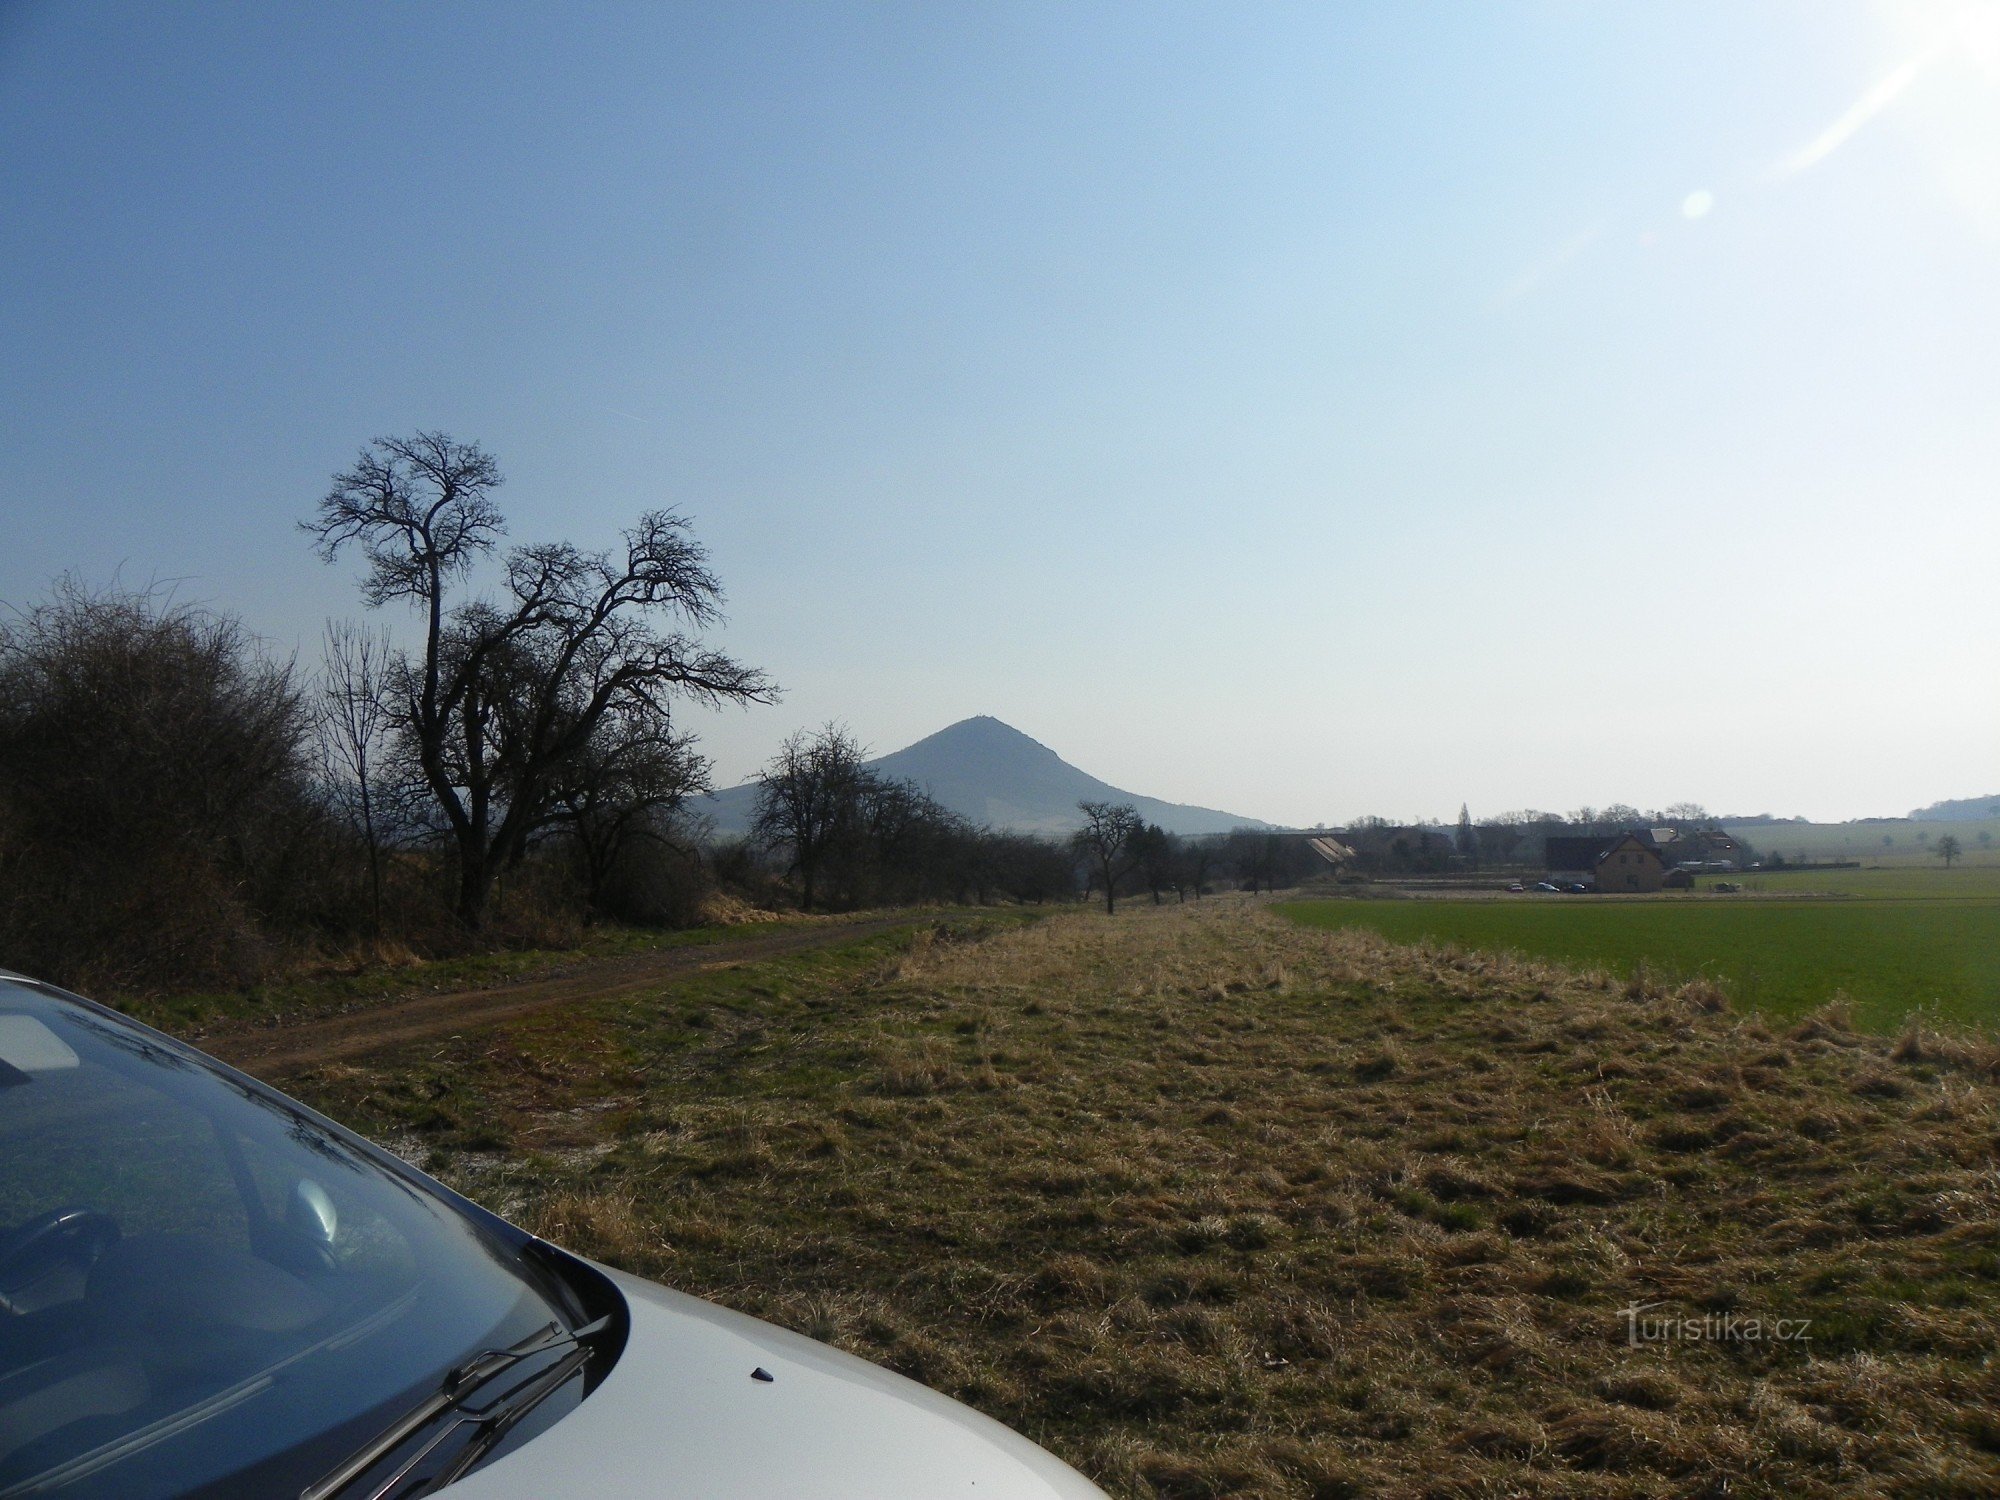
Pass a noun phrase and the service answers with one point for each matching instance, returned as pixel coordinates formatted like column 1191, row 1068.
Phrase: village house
column 1608, row 861
column 1631, row 864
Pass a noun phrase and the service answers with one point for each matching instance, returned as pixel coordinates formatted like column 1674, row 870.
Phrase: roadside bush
column 652, row 883
column 155, row 804
column 743, row 869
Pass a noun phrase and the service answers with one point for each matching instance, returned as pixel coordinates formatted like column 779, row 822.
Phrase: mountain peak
column 984, row 732
column 990, row 772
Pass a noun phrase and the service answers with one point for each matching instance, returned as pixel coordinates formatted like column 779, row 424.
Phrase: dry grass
column 1214, row 1205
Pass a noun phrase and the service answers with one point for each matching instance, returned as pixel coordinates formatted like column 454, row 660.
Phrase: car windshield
column 205, row 1290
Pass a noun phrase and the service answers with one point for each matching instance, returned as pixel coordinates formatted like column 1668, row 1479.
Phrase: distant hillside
column 993, row 774
column 1962, row 810
column 1874, row 841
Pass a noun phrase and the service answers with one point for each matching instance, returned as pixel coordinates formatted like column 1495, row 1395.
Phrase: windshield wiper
column 494, row 1423
column 459, row 1383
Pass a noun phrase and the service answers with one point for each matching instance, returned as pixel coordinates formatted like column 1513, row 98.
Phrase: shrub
column 154, row 800
column 653, row 883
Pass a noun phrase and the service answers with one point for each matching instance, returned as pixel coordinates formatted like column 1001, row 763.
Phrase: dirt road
column 272, row 1051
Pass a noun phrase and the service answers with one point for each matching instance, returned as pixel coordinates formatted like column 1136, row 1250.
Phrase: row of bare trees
column 1120, row 851
column 846, row 835
column 850, row 836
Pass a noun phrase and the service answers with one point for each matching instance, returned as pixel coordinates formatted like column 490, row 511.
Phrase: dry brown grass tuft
column 1703, row 995
column 925, row 1066
column 604, row 1226
column 1921, row 1044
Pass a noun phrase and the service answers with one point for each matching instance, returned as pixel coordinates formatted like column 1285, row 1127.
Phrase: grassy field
column 369, row 980
column 1214, row 1203
column 1886, row 957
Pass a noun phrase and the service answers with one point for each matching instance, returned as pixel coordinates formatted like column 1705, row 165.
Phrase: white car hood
column 680, row 1416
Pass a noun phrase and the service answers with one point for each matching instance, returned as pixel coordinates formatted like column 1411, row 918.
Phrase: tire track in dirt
column 271, row 1052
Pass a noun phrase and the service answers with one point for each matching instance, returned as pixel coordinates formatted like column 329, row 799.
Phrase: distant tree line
column 839, row 834
column 1122, row 853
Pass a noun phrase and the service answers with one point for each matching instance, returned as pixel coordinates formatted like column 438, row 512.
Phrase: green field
column 1879, row 882
column 1888, row 957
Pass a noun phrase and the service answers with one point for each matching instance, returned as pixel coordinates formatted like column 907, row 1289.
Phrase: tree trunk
column 374, row 852
column 475, row 883
column 374, row 883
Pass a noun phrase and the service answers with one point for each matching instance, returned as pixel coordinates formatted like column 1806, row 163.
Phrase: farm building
column 1330, row 849
column 1710, row 850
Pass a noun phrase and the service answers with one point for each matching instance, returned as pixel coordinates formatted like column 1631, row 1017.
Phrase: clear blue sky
column 1308, row 411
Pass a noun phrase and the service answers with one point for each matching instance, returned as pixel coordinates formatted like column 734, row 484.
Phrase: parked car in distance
column 1547, row 885
column 207, row 1290
column 1516, row 887
column 1577, row 888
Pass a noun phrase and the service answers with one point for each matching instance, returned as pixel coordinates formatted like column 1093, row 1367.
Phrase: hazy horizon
column 1302, row 413
column 1399, row 815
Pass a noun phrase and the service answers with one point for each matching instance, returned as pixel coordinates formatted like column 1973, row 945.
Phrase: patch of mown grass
column 1216, row 1204
column 1781, row 958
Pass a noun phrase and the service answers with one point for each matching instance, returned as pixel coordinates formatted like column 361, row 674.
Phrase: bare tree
column 1948, row 849
column 507, row 693
column 909, row 844
column 1106, row 840
column 808, row 799
column 355, row 725
column 626, row 788
column 1158, row 856
column 1202, row 855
